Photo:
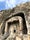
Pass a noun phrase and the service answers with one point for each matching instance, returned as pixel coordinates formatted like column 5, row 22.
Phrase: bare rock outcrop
column 15, row 23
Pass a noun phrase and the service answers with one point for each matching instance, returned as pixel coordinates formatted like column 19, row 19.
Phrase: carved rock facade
column 15, row 23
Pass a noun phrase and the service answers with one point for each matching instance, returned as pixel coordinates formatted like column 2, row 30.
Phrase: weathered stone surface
column 15, row 23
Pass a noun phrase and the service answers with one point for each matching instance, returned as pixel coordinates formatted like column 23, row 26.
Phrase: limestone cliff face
column 6, row 16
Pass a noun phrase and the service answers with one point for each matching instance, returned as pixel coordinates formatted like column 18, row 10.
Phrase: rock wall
column 15, row 23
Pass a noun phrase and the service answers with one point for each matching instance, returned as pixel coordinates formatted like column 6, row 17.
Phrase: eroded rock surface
column 15, row 23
